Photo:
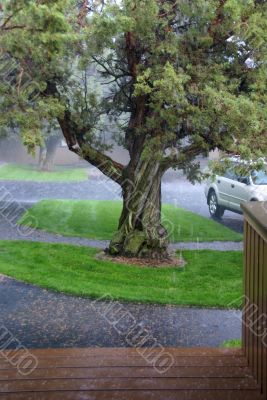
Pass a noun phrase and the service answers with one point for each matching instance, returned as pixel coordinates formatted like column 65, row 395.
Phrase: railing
column 255, row 289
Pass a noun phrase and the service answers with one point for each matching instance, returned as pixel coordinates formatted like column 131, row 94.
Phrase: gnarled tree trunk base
column 138, row 244
column 141, row 233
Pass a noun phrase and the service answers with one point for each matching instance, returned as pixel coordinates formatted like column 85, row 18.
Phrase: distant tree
column 182, row 78
column 48, row 150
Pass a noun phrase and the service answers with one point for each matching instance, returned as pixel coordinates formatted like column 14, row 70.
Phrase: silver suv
column 229, row 191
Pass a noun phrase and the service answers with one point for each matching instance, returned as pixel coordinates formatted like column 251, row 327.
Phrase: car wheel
column 215, row 210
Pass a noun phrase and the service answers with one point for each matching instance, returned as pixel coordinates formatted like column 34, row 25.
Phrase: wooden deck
column 122, row 374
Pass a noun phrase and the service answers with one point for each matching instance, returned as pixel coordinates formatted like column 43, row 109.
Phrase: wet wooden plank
column 264, row 337
column 129, row 384
column 124, row 372
column 245, row 282
column 138, row 395
column 251, row 307
column 130, row 352
column 117, row 361
column 256, row 341
column 261, row 307
column 247, row 246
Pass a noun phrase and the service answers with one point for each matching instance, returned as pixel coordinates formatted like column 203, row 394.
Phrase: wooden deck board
column 138, row 395
column 138, row 362
column 123, row 374
column 104, row 383
column 126, row 372
column 129, row 351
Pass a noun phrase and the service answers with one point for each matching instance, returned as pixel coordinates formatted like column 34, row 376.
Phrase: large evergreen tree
column 181, row 78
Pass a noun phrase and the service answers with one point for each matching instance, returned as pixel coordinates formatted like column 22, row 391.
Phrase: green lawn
column 232, row 344
column 19, row 172
column 99, row 219
column 210, row 278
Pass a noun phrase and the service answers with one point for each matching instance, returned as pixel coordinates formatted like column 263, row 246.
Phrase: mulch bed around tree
column 144, row 262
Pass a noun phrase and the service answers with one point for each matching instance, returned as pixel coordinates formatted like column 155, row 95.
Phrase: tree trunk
column 140, row 232
column 42, row 155
column 47, row 154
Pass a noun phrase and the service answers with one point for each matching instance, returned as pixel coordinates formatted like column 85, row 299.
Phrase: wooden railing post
column 255, row 285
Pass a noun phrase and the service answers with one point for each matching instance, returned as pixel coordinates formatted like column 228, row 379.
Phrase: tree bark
column 140, row 232
column 42, row 155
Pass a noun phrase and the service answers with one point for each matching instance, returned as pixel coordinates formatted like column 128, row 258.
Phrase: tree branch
column 74, row 137
column 131, row 53
column 76, row 144
column 177, row 158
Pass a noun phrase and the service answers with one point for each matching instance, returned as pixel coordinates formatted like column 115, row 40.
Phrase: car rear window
column 259, row 177
column 230, row 174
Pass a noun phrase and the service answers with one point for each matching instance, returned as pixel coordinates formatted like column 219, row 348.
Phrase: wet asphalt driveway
column 39, row 319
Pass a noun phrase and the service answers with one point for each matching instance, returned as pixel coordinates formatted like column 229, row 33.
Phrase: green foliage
column 35, row 45
column 198, row 67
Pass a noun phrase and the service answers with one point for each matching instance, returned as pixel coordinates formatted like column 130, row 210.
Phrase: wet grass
column 209, row 279
column 23, row 172
column 232, row 344
column 99, row 220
